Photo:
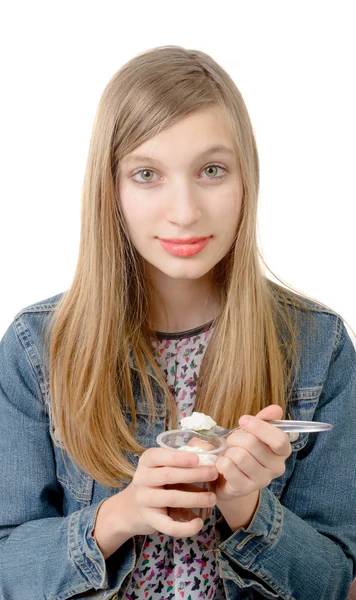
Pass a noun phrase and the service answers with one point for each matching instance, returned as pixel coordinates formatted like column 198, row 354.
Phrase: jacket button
column 293, row 436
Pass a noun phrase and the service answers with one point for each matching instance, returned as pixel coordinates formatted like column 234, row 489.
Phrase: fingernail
column 244, row 421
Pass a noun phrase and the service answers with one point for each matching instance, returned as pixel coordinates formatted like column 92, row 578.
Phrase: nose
column 183, row 205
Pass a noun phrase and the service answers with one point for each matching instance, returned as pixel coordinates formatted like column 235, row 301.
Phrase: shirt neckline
column 183, row 334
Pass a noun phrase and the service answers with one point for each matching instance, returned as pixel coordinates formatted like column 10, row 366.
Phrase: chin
column 184, row 274
column 189, row 268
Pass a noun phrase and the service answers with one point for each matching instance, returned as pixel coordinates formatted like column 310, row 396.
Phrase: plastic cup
column 208, row 450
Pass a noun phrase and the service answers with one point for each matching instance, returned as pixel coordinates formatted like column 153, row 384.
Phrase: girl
column 170, row 312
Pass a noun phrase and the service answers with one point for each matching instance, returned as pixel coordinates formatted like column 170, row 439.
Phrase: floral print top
column 171, row 567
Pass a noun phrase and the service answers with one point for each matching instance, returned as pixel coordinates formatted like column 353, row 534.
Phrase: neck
column 179, row 305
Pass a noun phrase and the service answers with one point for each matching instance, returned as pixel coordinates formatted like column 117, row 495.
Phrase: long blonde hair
column 100, row 328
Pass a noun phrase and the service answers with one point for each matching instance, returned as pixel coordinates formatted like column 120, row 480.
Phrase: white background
column 294, row 63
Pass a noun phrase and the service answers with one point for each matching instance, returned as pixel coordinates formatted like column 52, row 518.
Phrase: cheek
column 227, row 210
column 136, row 212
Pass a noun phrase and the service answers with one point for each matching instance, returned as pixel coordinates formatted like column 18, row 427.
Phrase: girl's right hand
column 149, row 504
column 144, row 506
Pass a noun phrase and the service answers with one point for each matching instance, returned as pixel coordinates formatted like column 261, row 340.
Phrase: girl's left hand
column 253, row 457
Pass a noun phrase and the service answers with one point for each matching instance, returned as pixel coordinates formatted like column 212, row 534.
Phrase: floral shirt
column 171, row 567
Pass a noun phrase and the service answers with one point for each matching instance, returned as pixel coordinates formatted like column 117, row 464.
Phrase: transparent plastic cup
column 208, row 450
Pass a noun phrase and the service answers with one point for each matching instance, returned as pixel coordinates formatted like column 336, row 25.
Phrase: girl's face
column 178, row 185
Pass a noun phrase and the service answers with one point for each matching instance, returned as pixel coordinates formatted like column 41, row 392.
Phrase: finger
column 158, row 498
column 167, row 475
column 271, row 412
column 159, row 457
column 259, row 450
column 167, row 525
column 237, row 481
column 273, row 466
column 276, row 439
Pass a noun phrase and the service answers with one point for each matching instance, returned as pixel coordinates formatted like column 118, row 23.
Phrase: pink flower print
column 179, row 572
column 203, row 562
column 184, row 393
column 186, row 355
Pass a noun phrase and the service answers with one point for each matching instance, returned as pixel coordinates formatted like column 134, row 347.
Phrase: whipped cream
column 197, row 422
column 204, row 459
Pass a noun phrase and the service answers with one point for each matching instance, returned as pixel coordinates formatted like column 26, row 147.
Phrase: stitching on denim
column 339, row 327
column 241, row 544
column 28, row 346
column 310, row 393
column 254, row 584
column 260, row 545
column 80, row 496
column 38, row 308
column 312, row 305
column 75, row 551
column 262, row 574
column 83, row 587
column 273, row 583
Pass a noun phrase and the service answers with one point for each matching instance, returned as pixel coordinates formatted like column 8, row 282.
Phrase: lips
column 191, row 240
column 184, row 247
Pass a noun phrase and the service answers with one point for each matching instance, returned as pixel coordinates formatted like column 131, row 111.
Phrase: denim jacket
column 300, row 545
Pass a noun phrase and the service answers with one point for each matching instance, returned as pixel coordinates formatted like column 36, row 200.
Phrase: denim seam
column 28, row 346
column 306, row 393
column 38, row 308
column 338, row 327
column 87, row 566
column 260, row 545
column 81, row 497
column 265, row 578
column 338, row 332
column 314, row 307
column 242, row 544
column 69, row 593
column 274, row 584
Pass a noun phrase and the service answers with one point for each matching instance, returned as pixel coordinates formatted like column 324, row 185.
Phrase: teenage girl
column 170, row 312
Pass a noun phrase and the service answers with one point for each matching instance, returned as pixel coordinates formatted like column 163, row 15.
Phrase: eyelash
column 153, row 171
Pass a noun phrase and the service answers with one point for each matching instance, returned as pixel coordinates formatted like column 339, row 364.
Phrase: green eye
column 143, row 173
column 211, row 167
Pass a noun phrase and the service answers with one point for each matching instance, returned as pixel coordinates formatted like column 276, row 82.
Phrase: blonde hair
column 100, row 328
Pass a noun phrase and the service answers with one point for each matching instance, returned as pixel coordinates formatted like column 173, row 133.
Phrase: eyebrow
column 220, row 148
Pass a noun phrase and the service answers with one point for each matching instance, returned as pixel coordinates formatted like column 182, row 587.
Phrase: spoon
column 285, row 425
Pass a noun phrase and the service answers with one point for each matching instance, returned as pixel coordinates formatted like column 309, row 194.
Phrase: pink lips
column 186, row 247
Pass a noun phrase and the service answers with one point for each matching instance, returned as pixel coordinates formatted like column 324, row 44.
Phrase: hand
column 253, row 458
column 148, row 499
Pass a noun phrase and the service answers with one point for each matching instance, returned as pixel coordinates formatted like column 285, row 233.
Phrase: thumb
column 271, row 412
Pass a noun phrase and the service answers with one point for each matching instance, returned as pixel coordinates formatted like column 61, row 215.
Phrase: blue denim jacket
column 301, row 543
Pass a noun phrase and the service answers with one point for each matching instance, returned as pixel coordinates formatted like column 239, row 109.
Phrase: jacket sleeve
column 43, row 554
column 304, row 545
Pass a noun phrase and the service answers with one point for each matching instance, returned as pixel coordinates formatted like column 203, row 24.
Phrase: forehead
column 194, row 137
